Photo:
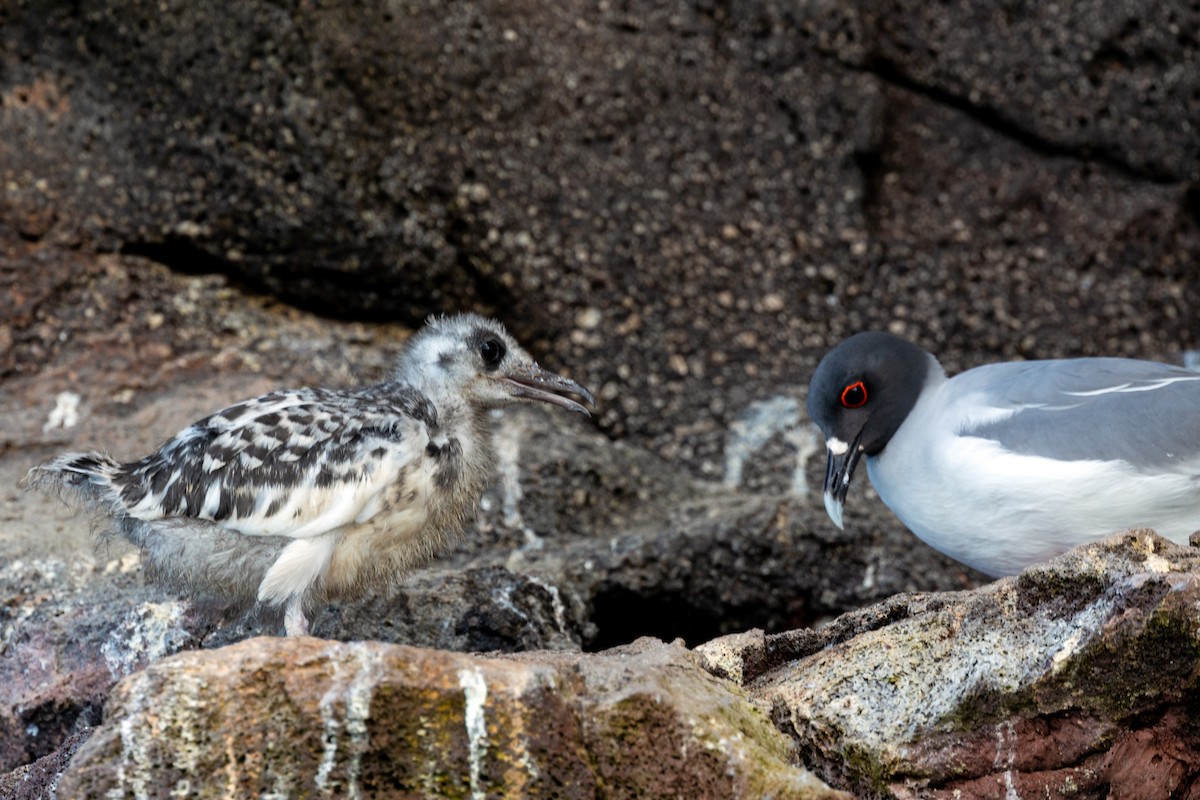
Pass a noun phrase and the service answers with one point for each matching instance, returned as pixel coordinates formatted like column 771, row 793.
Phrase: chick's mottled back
column 312, row 494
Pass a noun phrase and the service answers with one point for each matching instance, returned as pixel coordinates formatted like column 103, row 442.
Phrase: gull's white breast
column 999, row 511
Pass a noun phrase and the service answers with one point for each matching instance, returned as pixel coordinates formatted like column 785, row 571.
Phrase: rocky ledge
column 1080, row 677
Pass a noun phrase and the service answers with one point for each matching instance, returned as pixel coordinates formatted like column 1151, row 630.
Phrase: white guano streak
column 355, row 695
column 475, row 695
column 1006, row 757
column 65, row 414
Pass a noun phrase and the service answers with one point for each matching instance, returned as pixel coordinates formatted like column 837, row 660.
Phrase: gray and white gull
column 311, row 495
column 1006, row 465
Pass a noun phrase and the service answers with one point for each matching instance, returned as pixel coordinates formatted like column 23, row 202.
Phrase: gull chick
column 309, row 495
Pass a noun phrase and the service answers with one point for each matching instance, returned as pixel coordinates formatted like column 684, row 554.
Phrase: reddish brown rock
column 39, row 780
column 1080, row 676
column 306, row 716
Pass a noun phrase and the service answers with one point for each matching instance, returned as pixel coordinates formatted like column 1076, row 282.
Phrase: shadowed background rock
column 686, row 202
column 666, row 196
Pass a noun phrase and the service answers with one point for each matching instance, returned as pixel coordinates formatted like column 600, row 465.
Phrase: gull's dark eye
column 492, row 351
column 854, row 395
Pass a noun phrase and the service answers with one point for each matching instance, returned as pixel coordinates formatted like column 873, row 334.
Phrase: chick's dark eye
column 854, row 395
column 492, row 351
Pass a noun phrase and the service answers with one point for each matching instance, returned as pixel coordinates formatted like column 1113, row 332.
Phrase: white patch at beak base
column 836, row 446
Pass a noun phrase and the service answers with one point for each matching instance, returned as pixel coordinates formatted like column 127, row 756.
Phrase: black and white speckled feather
column 282, row 464
column 316, row 493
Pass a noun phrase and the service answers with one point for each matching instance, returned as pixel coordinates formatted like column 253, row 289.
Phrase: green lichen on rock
column 1144, row 659
column 311, row 718
column 1082, row 649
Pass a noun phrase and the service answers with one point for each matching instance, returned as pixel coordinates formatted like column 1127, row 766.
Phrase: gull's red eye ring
column 854, row 395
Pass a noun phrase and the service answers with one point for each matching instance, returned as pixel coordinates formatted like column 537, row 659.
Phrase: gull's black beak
column 535, row 383
column 843, row 458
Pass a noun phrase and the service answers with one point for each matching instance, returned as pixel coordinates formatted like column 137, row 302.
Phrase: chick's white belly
column 999, row 511
column 397, row 534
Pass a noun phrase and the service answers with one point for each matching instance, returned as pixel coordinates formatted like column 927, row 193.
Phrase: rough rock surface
column 309, row 717
column 682, row 205
column 39, row 780
column 1079, row 677
column 665, row 197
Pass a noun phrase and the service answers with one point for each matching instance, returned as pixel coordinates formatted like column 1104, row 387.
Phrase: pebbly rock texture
column 309, row 717
column 39, row 780
column 1116, row 82
column 685, row 202
column 1080, row 677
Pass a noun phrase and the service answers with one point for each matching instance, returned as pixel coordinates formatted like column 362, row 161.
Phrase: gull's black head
column 860, row 394
column 477, row 361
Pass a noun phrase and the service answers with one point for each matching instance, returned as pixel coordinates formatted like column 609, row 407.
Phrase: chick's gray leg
column 294, row 621
column 298, row 567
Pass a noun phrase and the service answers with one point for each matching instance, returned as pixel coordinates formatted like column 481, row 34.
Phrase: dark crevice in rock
column 340, row 296
column 872, row 168
column 50, row 724
column 491, row 297
column 995, row 120
column 179, row 255
column 1191, row 205
column 621, row 615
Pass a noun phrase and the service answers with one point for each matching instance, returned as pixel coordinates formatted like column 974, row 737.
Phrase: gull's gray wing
column 1141, row 412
